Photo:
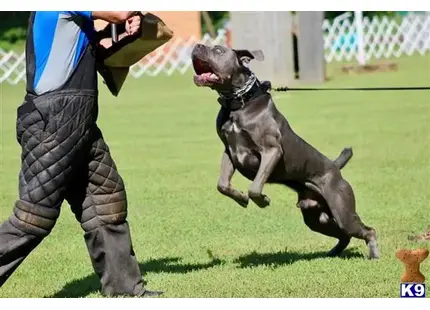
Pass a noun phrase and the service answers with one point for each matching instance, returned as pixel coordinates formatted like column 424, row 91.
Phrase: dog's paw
column 261, row 201
column 243, row 201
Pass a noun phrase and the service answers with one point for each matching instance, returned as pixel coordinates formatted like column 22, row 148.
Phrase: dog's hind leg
column 318, row 218
column 341, row 202
column 320, row 222
column 307, row 197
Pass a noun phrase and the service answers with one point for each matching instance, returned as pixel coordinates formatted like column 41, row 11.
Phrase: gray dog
column 262, row 146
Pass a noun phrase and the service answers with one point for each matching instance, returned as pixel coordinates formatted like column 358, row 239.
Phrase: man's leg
column 22, row 233
column 48, row 152
column 99, row 201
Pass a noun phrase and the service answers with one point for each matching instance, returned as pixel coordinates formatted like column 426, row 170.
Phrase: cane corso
column 260, row 143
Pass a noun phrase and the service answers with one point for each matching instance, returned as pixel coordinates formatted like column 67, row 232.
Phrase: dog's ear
column 246, row 56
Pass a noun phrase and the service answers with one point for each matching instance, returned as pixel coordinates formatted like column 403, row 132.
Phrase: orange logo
column 412, row 260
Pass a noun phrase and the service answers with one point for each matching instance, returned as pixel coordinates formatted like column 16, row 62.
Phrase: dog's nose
column 198, row 49
column 198, row 46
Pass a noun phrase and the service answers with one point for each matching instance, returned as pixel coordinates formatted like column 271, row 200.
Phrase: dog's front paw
column 260, row 200
column 243, row 200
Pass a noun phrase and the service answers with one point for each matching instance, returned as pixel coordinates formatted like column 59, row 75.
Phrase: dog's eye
column 218, row 50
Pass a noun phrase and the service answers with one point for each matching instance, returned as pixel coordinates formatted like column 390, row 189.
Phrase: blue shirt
column 60, row 38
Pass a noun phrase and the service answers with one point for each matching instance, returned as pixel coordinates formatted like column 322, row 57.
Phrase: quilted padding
column 97, row 193
column 54, row 133
column 64, row 156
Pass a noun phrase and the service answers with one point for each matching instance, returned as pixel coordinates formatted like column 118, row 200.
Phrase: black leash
column 404, row 88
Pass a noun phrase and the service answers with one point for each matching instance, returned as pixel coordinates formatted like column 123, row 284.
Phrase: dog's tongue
column 209, row 76
column 205, row 78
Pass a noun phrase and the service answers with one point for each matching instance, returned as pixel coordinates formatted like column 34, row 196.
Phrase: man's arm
column 116, row 17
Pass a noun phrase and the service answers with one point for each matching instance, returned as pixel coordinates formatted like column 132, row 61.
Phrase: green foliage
column 13, row 30
column 13, row 35
column 219, row 18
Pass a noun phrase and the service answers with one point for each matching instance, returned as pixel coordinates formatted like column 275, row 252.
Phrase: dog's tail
column 343, row 157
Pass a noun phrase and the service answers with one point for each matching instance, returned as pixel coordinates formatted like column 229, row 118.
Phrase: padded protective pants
column 64, row 156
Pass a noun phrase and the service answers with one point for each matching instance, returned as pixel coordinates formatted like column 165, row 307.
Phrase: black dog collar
column 238, row 100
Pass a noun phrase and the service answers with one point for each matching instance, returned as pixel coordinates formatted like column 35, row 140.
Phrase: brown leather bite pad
column 412, row 260
column 131, row 49
column 116, row 59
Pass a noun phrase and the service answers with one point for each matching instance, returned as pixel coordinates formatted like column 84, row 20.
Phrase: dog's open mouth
column 205, row 76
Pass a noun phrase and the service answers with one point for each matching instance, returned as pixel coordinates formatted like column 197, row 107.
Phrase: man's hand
column 132, row 25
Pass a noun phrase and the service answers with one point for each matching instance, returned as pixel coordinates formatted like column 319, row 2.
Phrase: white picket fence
column 383, row 38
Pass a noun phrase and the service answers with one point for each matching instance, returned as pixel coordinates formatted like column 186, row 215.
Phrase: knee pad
column 34, row 219
column 105, row 209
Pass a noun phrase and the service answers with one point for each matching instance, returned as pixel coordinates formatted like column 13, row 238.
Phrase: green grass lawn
column 194, row 242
